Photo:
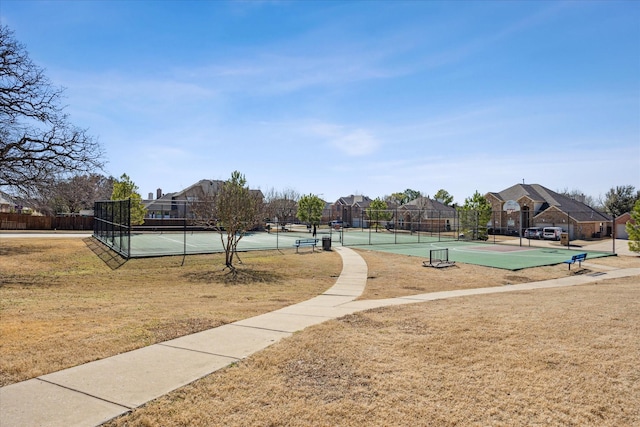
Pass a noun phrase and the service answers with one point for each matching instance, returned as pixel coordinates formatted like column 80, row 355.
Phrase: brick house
column 350, row 210
column 541, row 207
column 425, row 214
column 621, row 225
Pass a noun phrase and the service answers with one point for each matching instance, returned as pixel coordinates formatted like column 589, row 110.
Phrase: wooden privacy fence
column 15, row 221
column 72, row 223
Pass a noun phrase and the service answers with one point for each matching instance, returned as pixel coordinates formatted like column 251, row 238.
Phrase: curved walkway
column 93, row 393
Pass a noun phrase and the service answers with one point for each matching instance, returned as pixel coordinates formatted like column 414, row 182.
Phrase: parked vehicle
column 533, row 233
column 551, row 233
column 337, row 224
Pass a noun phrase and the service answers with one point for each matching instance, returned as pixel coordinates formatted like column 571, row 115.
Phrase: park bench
column 576, row 258
column 306, row 242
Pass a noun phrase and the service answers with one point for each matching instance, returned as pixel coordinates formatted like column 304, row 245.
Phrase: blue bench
column 306, row 242
column 576, row 258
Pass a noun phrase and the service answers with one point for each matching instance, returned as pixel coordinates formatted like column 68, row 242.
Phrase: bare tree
column 281, row 206
column 70, row 195
column 37, row 141
column 232, row 210
column 579, row 196
column 420, row 214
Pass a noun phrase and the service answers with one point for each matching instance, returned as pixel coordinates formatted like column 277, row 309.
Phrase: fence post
column 129, row 228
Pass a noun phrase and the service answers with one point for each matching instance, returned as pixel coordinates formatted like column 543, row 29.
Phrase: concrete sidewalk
column 93, row 393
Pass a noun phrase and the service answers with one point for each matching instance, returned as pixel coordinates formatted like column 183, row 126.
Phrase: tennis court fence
column 179, row 228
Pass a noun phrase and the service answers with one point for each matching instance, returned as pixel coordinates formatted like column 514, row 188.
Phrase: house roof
column 162, row 203
column 425, row 203
column 578, row 210
column 535, row 192
column 622, row 219
column 359, row 200
column 206, row 185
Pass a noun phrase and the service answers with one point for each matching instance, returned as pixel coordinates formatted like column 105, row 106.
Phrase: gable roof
column 359, row 200
column 206, row 186
column 536, row 192
column 425, row 203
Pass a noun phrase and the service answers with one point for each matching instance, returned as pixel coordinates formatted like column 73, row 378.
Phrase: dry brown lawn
column 62, row 306
column 566, row 356
column 559, row 357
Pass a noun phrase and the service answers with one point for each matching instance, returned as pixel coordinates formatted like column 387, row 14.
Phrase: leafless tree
column 281, row 206
column 70, row 195
column 37, row 141
column 579, row 196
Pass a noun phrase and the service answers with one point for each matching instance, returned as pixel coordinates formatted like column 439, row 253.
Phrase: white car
column 551, row 233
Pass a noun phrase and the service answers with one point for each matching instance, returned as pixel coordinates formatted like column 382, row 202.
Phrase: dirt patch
column 244, row 276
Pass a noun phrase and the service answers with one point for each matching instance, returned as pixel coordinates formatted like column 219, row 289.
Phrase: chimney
column 159, row 193
column 150, row 196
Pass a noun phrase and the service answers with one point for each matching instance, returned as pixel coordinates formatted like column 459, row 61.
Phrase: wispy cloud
column 355, row 142
column 277, row 73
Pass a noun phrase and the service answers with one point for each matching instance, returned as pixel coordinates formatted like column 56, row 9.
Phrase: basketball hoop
column 511, row 206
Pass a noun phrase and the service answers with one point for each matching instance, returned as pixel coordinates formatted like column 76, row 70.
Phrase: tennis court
column 508, row 257
column 504, row 256
column 190, row 243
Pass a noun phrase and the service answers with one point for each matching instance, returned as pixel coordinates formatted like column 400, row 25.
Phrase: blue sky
column 337, row 98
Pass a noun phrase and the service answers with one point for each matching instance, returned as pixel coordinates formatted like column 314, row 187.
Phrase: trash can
column 564, row 239
column 326, row 243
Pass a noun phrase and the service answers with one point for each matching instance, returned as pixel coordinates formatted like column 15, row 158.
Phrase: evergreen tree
column 474, row 216
column 125, row 189
column 620, row 200
column 633, row 228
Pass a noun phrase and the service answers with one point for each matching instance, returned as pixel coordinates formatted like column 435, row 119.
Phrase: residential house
column 541, row 207
column 162, row 207
column 621, row 225
column 425, row 214
column 327, row 213
column 351, row 210
column 176, row 205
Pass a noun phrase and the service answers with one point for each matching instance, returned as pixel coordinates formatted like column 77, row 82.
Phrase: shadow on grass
column 110, row 257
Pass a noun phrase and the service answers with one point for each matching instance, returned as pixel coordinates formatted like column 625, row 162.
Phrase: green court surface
column 508, row 257
column 504, row 256
column 178, row 243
